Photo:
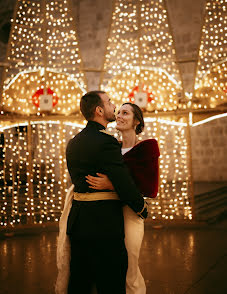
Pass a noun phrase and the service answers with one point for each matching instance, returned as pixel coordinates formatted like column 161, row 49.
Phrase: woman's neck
column 129, row 138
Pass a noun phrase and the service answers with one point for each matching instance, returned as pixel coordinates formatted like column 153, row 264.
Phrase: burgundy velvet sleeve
column 142, row 161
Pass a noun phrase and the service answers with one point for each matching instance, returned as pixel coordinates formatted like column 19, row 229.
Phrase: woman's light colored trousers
column 134, row 231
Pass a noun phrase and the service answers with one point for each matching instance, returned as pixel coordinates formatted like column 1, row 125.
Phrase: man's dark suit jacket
column 89, row 152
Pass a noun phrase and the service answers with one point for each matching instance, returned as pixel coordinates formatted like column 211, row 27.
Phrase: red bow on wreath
column 36, row 100
column 150, row 95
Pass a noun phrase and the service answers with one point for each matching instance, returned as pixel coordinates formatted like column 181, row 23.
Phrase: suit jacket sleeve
column 118, row 173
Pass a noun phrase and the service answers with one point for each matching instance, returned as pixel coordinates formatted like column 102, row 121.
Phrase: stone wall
column 186, row 18
column 209, row 151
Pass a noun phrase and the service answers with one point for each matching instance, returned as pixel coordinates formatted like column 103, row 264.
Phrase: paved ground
column 176, row 260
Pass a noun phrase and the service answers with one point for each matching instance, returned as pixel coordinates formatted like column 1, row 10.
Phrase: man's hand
column 101, row 182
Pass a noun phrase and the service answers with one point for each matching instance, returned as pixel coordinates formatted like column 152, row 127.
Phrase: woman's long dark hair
column 138, row 115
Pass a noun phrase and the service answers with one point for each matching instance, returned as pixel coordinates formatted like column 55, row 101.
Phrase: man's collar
column 95, row 124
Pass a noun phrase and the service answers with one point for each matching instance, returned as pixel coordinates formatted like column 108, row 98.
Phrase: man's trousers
column 101, row 262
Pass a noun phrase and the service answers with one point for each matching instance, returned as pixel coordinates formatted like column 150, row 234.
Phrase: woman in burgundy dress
column 141, row 157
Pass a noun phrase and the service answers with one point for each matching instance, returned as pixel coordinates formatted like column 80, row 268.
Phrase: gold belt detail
column 95, row 196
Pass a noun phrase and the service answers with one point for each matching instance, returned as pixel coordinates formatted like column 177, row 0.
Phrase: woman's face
column 125, row 118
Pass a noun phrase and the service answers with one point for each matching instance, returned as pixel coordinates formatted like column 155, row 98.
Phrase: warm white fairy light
column 43, row 53
column 211, row 76
column 21, row 147
column 61, row 163
column 3, row 186
column 13, row 175
column 140, row 52
column 64, row 164
column 173, row 201
column 36, row 170
column 129, row 62
column 45, row 203
column 140, row 57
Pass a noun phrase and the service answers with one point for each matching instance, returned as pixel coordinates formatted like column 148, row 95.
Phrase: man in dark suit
column 95, row 223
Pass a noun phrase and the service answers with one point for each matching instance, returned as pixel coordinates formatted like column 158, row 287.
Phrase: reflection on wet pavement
column 28, row 264
column 173, row 261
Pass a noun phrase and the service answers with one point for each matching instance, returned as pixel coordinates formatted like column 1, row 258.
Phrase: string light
column 211, row 76
column 172, row 202
column 140, row 52
column 43, row 53
column 46, row 200
column 140, row 55
column 47, row 161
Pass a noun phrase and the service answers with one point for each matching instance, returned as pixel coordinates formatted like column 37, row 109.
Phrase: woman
column 141, row 157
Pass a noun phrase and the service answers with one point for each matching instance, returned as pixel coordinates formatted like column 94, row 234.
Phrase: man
column 95, row 223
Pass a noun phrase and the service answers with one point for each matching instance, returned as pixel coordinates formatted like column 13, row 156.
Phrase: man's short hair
column 89, row 102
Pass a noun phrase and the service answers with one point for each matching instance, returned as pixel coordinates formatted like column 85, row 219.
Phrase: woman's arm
column 101, row 182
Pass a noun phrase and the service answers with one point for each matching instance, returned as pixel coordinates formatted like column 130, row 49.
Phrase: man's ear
column 99, row 110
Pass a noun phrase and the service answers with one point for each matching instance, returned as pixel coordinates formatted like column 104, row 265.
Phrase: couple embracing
column 102, row 225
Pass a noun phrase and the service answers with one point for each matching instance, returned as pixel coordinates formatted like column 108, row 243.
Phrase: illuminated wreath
column 150, row 95
column 36, row 100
